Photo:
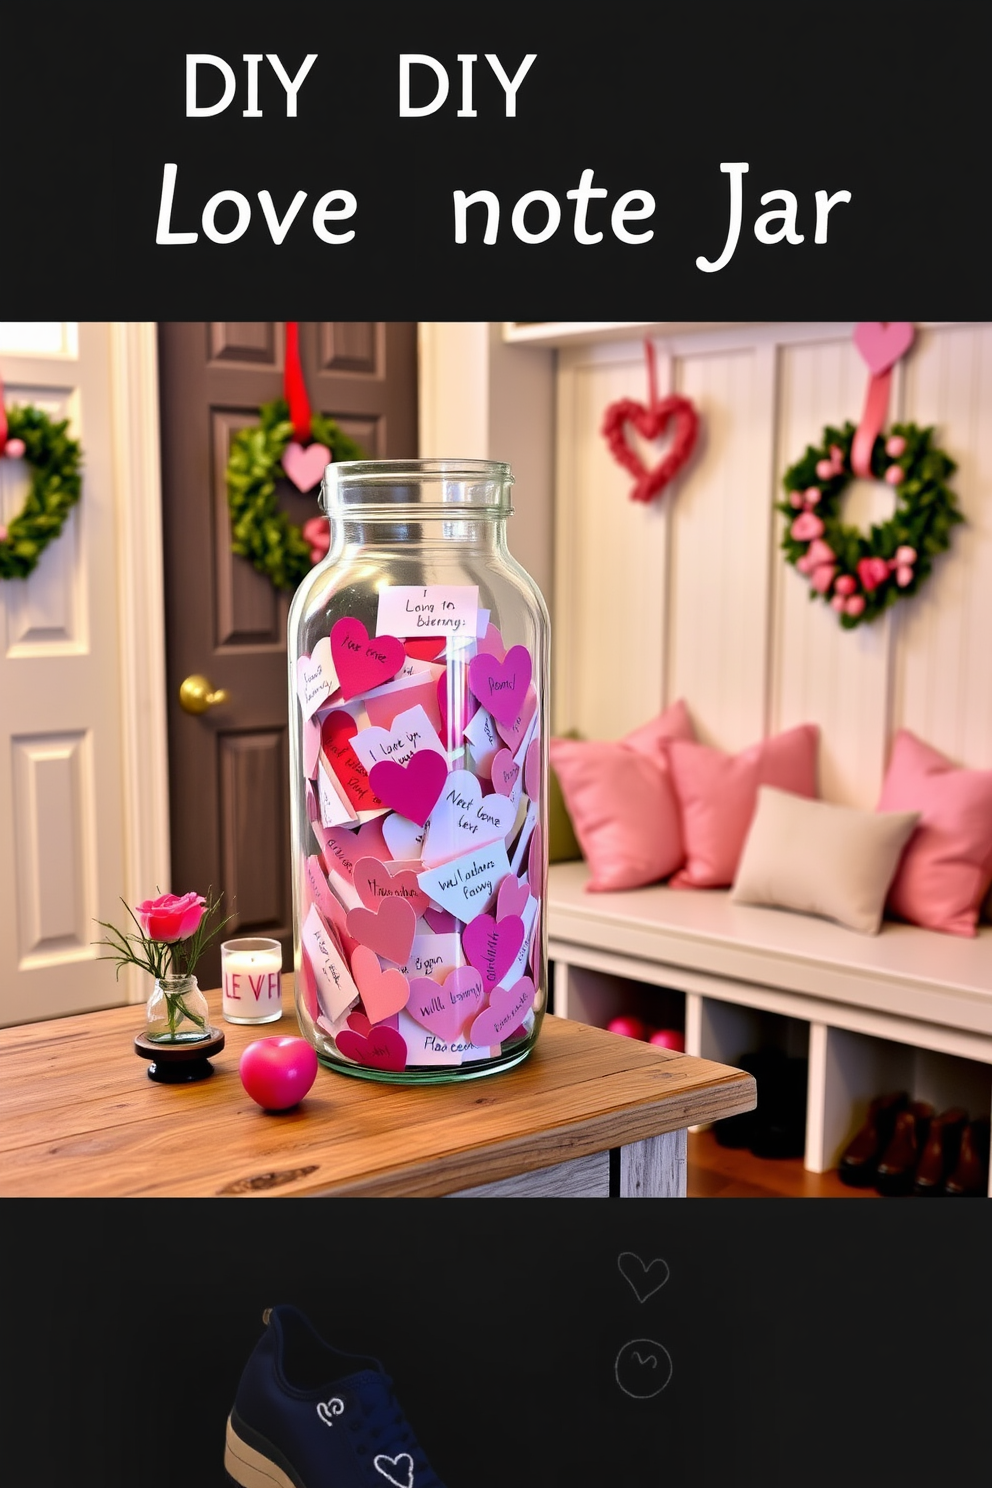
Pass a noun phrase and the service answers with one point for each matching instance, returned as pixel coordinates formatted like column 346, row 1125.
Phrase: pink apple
column 630, row 1027
column 669, row 1038
column 278, row 1072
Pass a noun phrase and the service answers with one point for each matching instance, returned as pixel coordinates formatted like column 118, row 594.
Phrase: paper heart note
column 343, row 848
column 361, row 663
column 388, row 931
column 375, row 883
column 463, row 819
column 446, row 1007
column 467, row 885
column 383, row 1048
column 383, row 992
column 507, row 1006
column 336, row 734
column 316, row 678
column 492, row 946
column 411, row 789
column 501, row 686
column 411, row 731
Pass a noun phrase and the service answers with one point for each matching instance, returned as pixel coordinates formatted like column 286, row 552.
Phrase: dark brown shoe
column 940, row 1153
column 970, row 1178
column 860, row 1157
column 894, row 1174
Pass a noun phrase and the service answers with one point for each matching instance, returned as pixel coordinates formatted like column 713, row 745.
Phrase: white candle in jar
column 251, row 970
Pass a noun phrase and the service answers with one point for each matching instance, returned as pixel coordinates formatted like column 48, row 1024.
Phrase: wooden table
column 79, row 1116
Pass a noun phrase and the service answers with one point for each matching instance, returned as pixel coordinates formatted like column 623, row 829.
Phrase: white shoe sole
column 250, row 1468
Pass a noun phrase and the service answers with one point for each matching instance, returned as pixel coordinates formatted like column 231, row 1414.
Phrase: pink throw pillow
column 621, row 802
column 947, row 865
column 718, row 793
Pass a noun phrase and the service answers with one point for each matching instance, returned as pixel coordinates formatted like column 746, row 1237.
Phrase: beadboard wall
column 690, row 596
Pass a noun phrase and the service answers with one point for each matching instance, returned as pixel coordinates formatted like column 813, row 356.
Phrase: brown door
column 228, row 766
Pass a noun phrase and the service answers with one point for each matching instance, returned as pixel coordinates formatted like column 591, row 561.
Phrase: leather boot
column 860, row 1158
column 894, row 1174
column 940, row 1152
column 970, row 1178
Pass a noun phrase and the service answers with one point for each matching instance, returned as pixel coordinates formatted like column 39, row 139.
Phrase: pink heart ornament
column 872, row 572
column 445, row 1008
column 882, row 342
column 501, row 686
column 343, row 847
column 383, row 1048
column 507, row 1007
column 383, row 992
column 491, row 946
column 362, row 662
column 305, row 467
column 389, row 931
column 375, row 883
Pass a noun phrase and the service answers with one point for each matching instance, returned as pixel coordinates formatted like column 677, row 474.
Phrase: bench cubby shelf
column 908, row 1008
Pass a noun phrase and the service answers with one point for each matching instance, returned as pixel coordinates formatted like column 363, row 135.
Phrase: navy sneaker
column 307, row 1416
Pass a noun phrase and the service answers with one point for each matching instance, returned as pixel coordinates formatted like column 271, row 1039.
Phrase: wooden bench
column 908, row 1008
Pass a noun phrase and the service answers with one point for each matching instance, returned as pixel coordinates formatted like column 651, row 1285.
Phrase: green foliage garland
column 260, row 532
column 55, row 461
column 926, row 510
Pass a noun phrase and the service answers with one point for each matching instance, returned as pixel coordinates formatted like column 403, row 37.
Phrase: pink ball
column 796, row 501
column 895, row 475
column 825, row 469
column 811, row 495
column 855, row 605
column 846, row 584
column 629, row 1027
column 3, row 533
column 669, row 1038
column 277, row 1072
column 14, row 448
column 837, row 603
column 895, row 446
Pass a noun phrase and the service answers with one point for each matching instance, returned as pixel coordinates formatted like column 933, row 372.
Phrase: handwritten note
column 467, row 886
column 336, row 989
column 437, row 610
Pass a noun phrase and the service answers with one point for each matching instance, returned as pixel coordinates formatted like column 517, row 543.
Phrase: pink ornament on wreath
column 806, row 527
column 3, row 533
column 317, row 533
column 895, row 446
column 895, row 475
column 14, row 449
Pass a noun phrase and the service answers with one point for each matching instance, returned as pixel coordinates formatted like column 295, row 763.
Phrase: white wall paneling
column 690, row 596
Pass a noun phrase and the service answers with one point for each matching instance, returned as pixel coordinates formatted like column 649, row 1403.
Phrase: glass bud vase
column 418, row 676
column 177, row 1012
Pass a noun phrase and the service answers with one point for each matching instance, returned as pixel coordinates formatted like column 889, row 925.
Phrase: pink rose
column 872, row 572
column 806, row 527
column 846, row 584
column 170, row 917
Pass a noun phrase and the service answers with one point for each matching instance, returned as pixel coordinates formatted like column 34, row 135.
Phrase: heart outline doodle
column 406, row 1482
column 640, row 1286
column 328, row 1409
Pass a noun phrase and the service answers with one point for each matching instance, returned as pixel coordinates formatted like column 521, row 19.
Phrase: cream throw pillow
column 822, row 859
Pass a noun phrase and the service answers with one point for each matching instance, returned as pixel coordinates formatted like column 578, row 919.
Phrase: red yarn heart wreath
column 651, row 422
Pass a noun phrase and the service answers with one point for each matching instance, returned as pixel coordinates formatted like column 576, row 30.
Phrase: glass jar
column 177, row 1012
column 418, row 675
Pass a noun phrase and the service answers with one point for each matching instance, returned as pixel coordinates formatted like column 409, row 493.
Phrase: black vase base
column 180, row 1064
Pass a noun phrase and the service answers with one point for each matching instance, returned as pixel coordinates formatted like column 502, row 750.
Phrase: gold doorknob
column 196, row 694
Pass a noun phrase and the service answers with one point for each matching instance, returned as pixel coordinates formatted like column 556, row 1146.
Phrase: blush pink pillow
column 947, row 865
column 718, row 793
column 621, row 802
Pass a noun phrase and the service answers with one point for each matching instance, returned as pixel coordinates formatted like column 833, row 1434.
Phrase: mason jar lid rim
column 444, row 468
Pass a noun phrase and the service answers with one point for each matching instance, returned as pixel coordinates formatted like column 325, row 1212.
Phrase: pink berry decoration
column 895, row 446
column 14, row 449
column 895, row 475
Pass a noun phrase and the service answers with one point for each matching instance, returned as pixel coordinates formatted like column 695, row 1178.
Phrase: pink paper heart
column 501, row 686
column 532, row 769
column 512, row 897
column 882, row 342
column 343, row 846
column 338, row 924
column 507, row 1006
column 491, row 643
column 445, row 1008
column 389, row 931
column 411, row 789
column 359, row 1023
column 362, row 662
column 336, row 733
column 310, row 746
column 512, row 733
column 505, row 772
column 405, row 839
column 535, row 862
column 491, row 946
column 383, row 1049
column 872, row 572
column 383, row 992
column 441, row 921
column 305, row 467
column 427, row 648
column 375, row 883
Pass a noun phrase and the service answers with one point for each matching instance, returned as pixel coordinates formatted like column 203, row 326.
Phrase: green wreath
column 861, row 575
column 261, row 532
column 55, row 461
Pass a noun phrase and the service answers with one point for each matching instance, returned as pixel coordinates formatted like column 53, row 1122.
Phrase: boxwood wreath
column 55, row 462
column 261, row 532
column 859, row 574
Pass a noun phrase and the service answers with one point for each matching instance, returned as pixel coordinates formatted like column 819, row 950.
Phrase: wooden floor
column 716, row 1172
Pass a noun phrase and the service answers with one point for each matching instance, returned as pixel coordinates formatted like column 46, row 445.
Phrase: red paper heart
column 384, row 1048
column 650, row 423
column 336, row 733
